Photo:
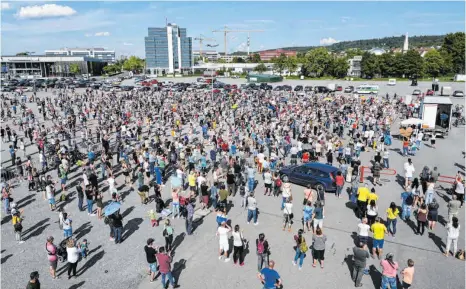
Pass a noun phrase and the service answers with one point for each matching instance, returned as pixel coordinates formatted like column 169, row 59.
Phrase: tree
column 387, row 64
column 133, row 63
column 433, row 63
column 352, row 52
column 291, row 63
column 453, row 44
column 338, row 67
column 254, row 58
column 414, row 64
column 369, row 65
column 279, row 63
column 221, row 60
column 22, row 53
column 238, row 60
column 399, row 65
column 75, row 68
column 261, row 68
column 317, row 61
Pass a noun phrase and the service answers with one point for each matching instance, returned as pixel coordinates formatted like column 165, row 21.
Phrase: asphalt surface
column 195, row 259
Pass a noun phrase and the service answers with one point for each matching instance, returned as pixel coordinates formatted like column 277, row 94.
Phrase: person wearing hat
column 33, row 281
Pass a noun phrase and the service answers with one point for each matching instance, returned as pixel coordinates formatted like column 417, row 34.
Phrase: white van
column 392, row 82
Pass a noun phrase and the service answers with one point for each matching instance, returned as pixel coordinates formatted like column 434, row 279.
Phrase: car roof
column 322, row 167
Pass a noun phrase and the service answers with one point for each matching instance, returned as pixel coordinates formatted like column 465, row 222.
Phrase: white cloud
column 127, row 44
column 46, row 10
column 345, row 19
column 98, row 34
column 5, row 6
column 242, row 47
column 88, row 34
column 327, row 41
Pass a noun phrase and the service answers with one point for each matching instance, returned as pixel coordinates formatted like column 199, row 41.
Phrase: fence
column 363, row 169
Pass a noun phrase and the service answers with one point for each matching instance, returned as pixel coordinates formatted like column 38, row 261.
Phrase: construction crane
column 226, row 31
column 201, row 40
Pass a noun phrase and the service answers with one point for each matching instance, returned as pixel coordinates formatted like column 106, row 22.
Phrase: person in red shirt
column 165, row 268
column 340, row 182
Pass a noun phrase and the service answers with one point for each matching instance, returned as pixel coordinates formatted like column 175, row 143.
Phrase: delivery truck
column 436, row 115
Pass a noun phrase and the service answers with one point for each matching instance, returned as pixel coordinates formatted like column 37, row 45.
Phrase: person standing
column 385, row 159
column 409, row 171
column 151, row 258
column 408, row 275
column 453, row 208
column 301, row 249
column 421, row 219
column 167, row 233
column 389, row 268
column 407, row 201
column 363, row 231
column 360, row 255
column 238, row 246
column 80, row 193
column 287, row 214
column 453, row 234
column 117, row 222
column 392, row 214
column 262, row 251
column 318, row 218
column 318, row 248
column 269, row 277
column 252, row 208
column 340, row 182
column 90, row 202
column 33, row 281
column 73, row 257
column 52, row 257
column 67, row 226
column 224, row 247
column 189, row 217
column 379, row 230
column 165, row 269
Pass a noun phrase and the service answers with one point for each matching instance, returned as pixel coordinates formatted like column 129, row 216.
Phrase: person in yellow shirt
column 378, row 229
column 192, row 181
column 363, row 194
column 17, row 220
column 372, row 196
column 392, row 214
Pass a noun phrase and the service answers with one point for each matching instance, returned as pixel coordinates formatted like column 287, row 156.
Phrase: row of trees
column 133, row 63
column 318, row 62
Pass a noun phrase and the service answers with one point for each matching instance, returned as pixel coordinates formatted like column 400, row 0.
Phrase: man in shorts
column 379, row 230
column 224, row 247
column 52, row 257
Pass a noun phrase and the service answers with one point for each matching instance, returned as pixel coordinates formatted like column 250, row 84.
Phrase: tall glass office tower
column 168, row 50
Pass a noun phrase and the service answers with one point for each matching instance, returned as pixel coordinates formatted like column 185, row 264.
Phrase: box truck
column 436, row 115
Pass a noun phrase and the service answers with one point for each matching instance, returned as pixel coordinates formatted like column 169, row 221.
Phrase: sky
column 35, row 26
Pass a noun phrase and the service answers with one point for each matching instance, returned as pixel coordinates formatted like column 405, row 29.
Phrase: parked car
column 416, row 92
column 308, row 88
column 349, row 89
column 319, row 176
column 321, row 89
column 339, row 88
column 458, row 93
column 298, row 88
column 277, row 88
column 287, row 88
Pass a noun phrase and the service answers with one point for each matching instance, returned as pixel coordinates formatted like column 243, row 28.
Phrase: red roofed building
column 269, row 54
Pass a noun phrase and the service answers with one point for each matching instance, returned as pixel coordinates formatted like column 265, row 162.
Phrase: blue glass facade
column 158, row 50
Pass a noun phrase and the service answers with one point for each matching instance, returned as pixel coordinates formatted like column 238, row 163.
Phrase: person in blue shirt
column 308, row 211
column 407, row 200
column 213, row 195
column 233, row 149
column 204, row 131
column 269, row 277
column 203, row 164
column 213, row 157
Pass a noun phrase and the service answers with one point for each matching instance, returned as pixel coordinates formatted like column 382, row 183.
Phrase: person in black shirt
column 90, row 201
column 231, row 186
column 79, row 189
column 205, row 195
column 34, row 281
column 378, row 158
column 117, row 221
column 151, row 250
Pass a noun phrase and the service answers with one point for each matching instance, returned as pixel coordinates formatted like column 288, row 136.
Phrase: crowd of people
column 210, row 150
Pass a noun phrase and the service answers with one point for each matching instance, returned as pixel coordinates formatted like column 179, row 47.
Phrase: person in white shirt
column 363, row 231
column 268, row 182
column 420, row 135
column 73, row 257
column 453, row 234
column 224, row 247
column 409, row 170
column 287, row 214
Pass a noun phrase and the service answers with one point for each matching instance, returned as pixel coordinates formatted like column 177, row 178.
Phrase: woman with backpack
column 262, row 251
column 167, row 233
column 301, row 249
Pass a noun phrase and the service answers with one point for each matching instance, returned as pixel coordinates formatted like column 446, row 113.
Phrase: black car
column 287, row 88
column 7, row 88
column 278, row 88
column 298, row 88
column 308, row 88
column 127, row 87
column 321, row 89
